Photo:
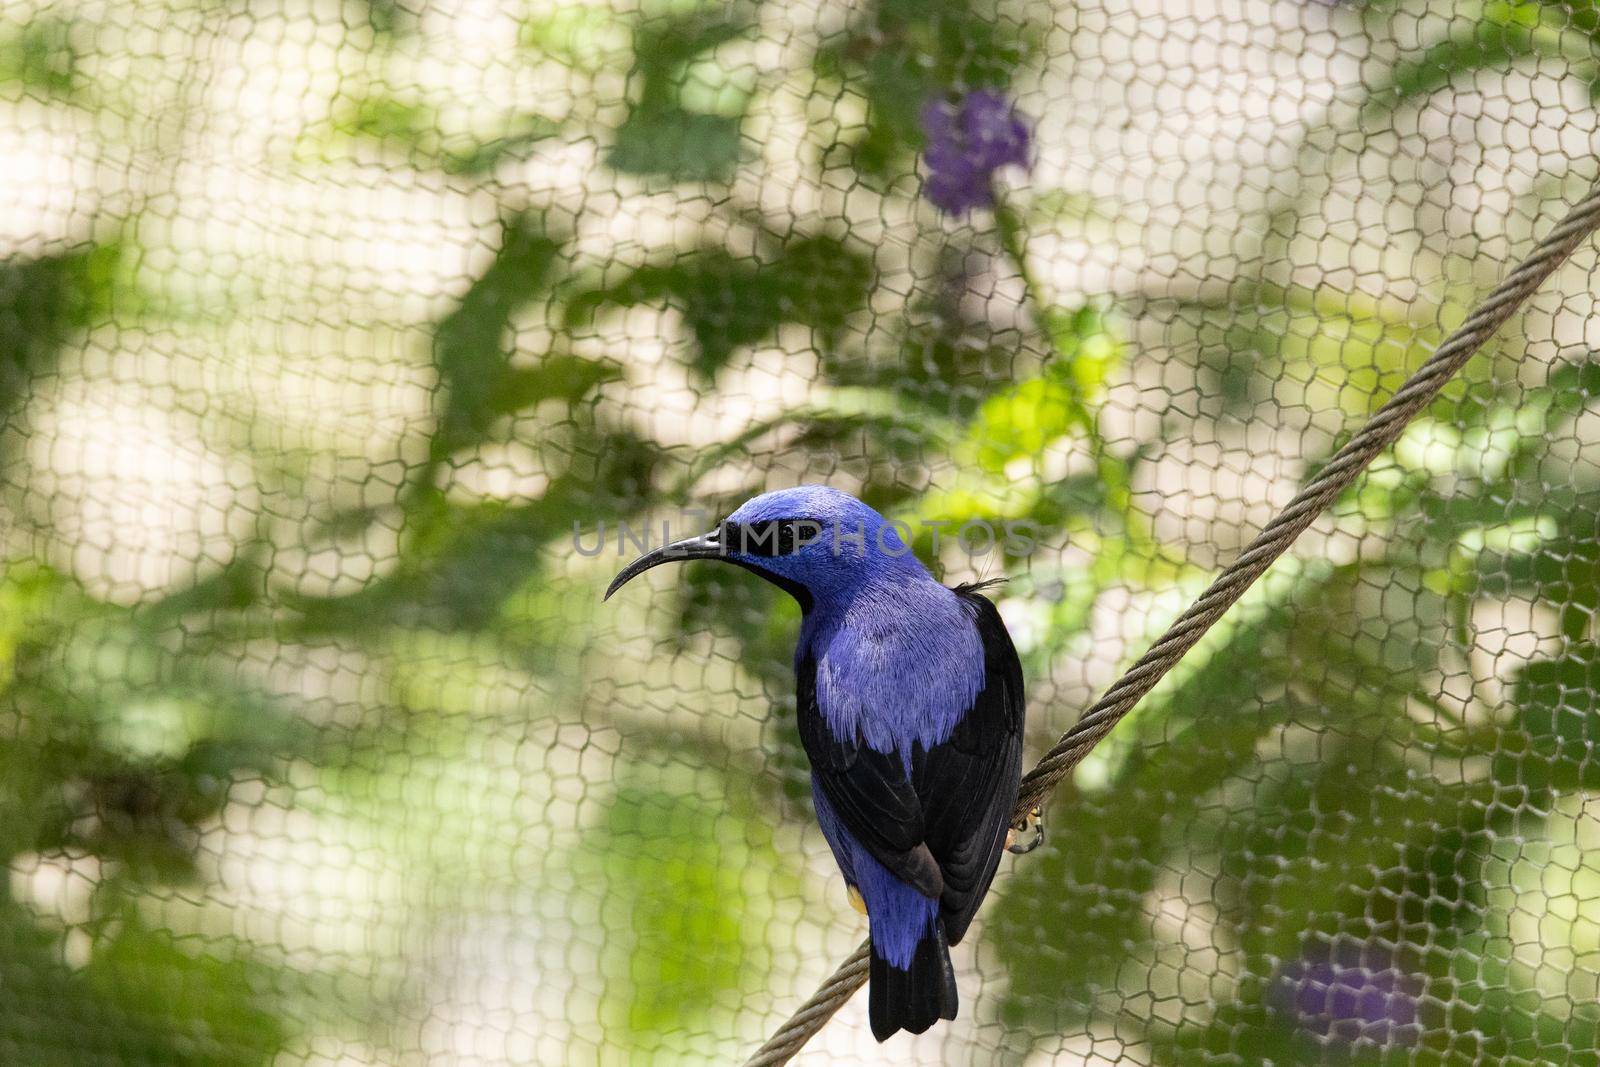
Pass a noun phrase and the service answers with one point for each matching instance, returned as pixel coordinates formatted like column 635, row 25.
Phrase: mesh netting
column 348, row 349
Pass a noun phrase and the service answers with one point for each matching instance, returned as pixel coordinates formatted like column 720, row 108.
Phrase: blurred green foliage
column 732, row 301
column 421, row 136
column 680, row 880
column 1300, row 783
column 44, row 300
column 41, row 59
column 117, row 749
column 1507, row 32
column 668, row 131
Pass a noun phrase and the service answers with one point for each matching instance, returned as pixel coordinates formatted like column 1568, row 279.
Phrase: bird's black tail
column 914, row 999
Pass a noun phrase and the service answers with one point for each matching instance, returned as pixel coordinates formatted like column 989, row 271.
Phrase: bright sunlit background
column 334, row 334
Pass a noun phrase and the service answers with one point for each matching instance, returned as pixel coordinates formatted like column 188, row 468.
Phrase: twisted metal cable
column 1381, row 431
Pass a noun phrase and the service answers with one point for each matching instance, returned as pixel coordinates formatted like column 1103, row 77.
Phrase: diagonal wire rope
column 1381, row 431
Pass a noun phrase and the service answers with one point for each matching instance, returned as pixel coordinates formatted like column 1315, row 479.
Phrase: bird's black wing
column 967, row 786
column 868, row 791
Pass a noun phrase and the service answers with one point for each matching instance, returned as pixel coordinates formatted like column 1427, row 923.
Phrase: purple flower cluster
column 1350, row 992
column 966, row 143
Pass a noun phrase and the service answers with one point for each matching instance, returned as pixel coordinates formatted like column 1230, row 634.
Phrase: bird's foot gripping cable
column 1031, row 825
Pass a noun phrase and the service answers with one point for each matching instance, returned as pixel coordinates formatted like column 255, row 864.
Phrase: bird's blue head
column 817, row 543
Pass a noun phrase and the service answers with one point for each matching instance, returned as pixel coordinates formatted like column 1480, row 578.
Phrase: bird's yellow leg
column 1033, row 824
column 855, row 899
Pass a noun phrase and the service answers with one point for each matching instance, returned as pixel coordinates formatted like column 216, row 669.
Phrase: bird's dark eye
column 770, row 537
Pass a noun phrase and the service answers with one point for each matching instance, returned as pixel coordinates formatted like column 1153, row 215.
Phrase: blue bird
column 910, row 710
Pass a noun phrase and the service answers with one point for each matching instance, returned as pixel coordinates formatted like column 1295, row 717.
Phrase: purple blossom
column 966, row 143
column 1350, row 992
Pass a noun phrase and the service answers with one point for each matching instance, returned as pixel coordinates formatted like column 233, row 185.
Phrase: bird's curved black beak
column 706, row 546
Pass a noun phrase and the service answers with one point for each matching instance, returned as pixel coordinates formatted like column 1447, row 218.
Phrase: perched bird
column 910, row 709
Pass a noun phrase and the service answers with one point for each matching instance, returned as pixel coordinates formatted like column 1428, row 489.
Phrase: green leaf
column 41, row 59
column 217, row 1011
column 479, row 159
column 239, row 585
column 568, row 378
column 386, row 118
column 582, row 37
column 664, row 134
column 1507, row 31
column 43, row 301
column 1550, row 747
column 684, row 934
column 54, row 1017
column 821, row 281
column 944, row 372
column 470, row 348
column 1027, row 419
column 671, row 141
column 726, row 301
column 419, row 134
column 388, row 18
column 730, row 301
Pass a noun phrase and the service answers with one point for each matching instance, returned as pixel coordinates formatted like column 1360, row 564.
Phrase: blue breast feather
column 897, row 671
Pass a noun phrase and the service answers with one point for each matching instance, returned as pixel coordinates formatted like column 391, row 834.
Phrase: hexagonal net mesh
column 349, row 347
